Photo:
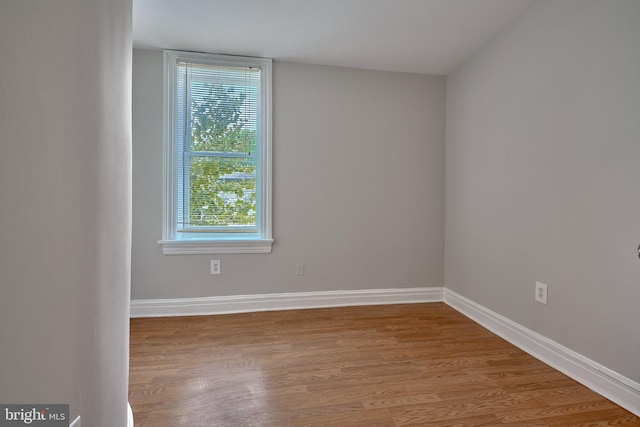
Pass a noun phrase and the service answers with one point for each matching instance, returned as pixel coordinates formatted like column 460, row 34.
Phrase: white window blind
column 217, row 119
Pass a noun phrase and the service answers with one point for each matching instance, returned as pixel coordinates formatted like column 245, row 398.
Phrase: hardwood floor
column 395, row 365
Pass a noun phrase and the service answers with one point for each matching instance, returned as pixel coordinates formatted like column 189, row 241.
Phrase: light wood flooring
column 393, row 365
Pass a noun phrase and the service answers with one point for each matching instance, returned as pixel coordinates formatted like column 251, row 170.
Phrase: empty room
column 320, row 212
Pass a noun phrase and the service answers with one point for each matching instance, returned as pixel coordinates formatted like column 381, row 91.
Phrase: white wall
column 358, row 186
column 542, row 175
column 65, row 178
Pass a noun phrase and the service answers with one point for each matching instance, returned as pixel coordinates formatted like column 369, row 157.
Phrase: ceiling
column 418, row 36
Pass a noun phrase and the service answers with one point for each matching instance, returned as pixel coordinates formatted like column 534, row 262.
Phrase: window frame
column 175, row 243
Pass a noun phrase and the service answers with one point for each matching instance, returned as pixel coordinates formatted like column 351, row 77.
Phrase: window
column 217, row 158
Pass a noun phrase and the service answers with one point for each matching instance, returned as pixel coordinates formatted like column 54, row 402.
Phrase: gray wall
column 65, row 175
column 358, row 186
column 542, row 171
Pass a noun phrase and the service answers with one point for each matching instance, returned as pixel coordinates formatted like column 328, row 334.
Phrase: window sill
column 205, row 247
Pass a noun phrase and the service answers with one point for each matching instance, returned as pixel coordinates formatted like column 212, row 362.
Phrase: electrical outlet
column 541, row 292
column 299, row 269
column 215, row 266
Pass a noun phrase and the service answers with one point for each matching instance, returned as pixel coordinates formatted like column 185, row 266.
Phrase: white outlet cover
column 215, row 266
column 541, row 292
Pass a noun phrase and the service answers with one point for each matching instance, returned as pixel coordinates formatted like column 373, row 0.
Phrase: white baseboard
column 78, row 422
column 615, row 387
column 283, row 301
column 129, row 416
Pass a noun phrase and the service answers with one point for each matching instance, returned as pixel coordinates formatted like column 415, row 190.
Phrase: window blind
column 217, row 117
